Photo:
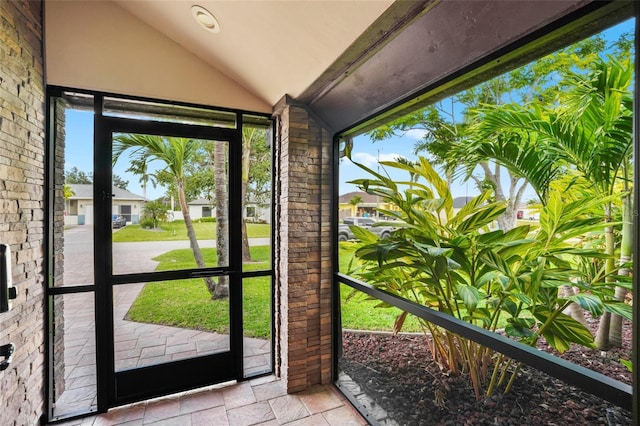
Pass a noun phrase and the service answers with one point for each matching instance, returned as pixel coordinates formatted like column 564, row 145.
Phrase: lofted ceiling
column 345, row 59
column 271, row 48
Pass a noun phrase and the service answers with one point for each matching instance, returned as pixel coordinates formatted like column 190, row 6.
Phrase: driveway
column 128, row 258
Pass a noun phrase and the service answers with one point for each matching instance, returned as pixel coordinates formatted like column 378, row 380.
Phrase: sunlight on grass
column 188, row 303
column 175, row 231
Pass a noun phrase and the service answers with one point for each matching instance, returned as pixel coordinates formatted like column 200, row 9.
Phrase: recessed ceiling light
column 205, row 19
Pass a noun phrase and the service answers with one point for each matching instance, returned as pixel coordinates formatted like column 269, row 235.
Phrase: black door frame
column 117, row 388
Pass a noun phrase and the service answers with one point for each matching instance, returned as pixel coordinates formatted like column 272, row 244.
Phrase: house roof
column 366, row 198
column 200, row 202
column 458, row 202
column 85, row 191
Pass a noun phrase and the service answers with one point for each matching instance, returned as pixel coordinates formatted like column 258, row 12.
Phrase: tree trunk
column 574, row 310
column 193, row 241
column 602, row 336
column 222, row 220
column 246, row 155
column 626, row 249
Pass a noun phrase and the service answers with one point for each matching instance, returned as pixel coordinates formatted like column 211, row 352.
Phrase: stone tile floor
column 136, row 345
column 261, row 401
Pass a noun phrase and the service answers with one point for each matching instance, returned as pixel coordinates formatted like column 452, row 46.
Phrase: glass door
column 169, row 279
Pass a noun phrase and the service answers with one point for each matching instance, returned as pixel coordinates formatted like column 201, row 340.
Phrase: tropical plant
column 354, row 201
column 67, row 192
column 588, row 133
column 455, row 263
column 255, row 174
column 219, row 162
column 174, row 153
column 156, row 211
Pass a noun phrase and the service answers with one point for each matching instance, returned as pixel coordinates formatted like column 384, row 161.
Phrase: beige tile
column 204, row 400
column 288, row 408
column 120, row 415
column 343, row 416
column 320, row 398
column 269, row 391
column 238, row 395
column 184, row 420
column 264, row 379
column 250, row 415
column 213, row 416
column 161, row 409
column 315, row 420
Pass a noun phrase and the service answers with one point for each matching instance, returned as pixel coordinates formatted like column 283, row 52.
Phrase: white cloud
column 415, row 134
column 371, row 160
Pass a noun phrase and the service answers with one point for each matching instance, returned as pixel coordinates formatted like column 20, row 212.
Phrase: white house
column 203, row 208
column 79, row 206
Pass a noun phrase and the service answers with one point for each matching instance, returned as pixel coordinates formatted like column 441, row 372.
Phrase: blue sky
column 79, row 150
column 366, row 152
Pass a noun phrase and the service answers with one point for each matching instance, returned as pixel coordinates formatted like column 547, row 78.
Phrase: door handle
column 6, row 351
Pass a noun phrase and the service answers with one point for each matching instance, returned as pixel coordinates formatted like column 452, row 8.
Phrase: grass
column 174, row 231
column 187, row 303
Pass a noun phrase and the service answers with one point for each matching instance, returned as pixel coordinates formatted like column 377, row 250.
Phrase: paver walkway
column 136, row 344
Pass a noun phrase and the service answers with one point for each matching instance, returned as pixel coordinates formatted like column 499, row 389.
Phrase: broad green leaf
column 469, row 295
column 588, row 302
column 619, row 308
column 562, row 330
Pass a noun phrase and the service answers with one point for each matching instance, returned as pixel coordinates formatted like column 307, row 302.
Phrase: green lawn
column 187, row 303
column 172, row 231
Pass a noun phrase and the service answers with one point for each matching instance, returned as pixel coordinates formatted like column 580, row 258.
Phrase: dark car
column 118, row 221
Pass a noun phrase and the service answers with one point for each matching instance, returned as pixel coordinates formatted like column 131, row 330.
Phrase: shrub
column 455, row 263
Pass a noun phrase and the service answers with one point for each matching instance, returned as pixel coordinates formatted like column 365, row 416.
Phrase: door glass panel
column 256, row 308
column 74, row 354
column 256, row 193
column 170, row 203
column 166, row 321
column 74, row 133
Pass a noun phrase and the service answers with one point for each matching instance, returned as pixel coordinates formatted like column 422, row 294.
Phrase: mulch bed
column 398, row 374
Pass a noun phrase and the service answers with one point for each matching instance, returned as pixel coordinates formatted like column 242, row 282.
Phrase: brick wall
column 22, row 208
column 303, row 265
column 58, row 251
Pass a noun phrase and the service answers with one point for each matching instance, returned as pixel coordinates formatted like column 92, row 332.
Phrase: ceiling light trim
column 205, row 18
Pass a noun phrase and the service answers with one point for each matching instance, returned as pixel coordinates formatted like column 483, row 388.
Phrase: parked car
column 118, row 221
column 345, row 234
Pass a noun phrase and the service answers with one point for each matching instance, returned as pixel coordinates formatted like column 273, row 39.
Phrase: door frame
column 117, row 388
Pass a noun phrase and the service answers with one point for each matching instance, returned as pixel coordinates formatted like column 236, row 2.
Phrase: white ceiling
column 254, row 47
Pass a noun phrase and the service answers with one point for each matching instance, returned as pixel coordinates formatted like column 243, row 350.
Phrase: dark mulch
column 398, row 374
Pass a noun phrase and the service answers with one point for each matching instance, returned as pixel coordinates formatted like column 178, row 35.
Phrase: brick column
column 302, row 257
column 22, row 209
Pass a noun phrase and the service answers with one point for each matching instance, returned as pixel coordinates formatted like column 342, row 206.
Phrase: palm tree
column 219, row 161
column 354, row 201
column 156, row 211
column 139, row 167
column 591, row 134
column 174, row 153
